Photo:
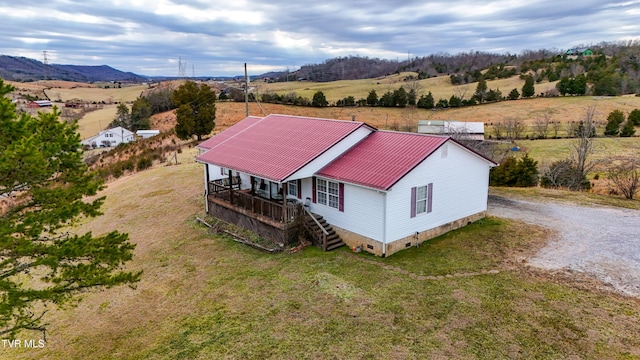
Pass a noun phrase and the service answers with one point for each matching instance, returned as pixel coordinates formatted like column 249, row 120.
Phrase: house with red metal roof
column 342, row 182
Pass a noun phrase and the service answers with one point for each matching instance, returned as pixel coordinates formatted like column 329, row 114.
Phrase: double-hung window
column 328, row 193
column 292, row 188
column 421, row 199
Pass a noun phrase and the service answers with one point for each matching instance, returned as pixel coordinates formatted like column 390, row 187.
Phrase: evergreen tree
column 123, row 117
column 634, row 116
column 372, row 99
column 319, row 100
column 514, row 172
column 481, row 90
column 528, row 89
column 400, row 97
column 564, row 86
column 412, row 97
column 196, row 110
column 494, row 95
column 387, row 100
column 426, row 101
column 140, row 114
column 44, row 188
column 628, row 129
column 455, row 101
column 615, row 118
column 514, row 94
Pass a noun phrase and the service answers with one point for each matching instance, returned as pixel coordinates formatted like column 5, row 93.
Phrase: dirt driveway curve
column 601, row 242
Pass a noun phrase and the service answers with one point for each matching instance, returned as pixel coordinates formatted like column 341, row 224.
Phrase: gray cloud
column 150, row 36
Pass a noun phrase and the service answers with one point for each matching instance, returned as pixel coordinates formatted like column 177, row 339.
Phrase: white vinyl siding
column 363, row 211
column 460, row 184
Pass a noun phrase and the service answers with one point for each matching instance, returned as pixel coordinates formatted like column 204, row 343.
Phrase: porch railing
column 255, row 204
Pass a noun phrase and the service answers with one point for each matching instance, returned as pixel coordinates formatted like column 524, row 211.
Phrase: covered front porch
column 263, row 208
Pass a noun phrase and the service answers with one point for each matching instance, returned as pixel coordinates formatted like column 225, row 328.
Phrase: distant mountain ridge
column 24, row 69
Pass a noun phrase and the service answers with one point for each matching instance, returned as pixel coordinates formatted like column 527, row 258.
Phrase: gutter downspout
column 206, row 188
column 384, row 225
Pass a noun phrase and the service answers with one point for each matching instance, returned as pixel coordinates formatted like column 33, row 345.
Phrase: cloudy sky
column 151, row 37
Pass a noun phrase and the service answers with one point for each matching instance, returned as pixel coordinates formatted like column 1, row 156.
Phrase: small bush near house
column 514, row 172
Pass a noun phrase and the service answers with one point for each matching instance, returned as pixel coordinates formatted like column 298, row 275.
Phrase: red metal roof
column 229, row 132
column 277, row 145
column 382, row 158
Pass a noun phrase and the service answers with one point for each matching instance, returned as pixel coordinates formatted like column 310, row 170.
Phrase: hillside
column 467, row 294
column 25, row 69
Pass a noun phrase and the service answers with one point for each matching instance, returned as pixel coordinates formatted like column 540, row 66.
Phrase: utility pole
column 46, row 64
column 246, row 90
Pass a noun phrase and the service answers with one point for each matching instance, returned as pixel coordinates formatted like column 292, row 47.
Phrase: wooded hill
column 25, row 70
column 612, row 69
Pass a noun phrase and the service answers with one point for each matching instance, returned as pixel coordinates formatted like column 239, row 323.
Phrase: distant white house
column 110, row 137
column 147, row 133
column 460, row 130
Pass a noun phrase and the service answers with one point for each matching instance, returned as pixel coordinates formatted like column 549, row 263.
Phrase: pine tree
column 627, row 130
column 528, row 89
column 614, row 119
column 196, row 110
column 43, row 187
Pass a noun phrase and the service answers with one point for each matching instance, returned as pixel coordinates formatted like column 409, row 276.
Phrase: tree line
column 614, row 69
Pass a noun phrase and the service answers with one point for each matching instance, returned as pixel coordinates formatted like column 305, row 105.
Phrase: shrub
column 563, row 174
column 514, row 172
column 144, row 163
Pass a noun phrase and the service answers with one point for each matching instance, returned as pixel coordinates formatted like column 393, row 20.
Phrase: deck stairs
column 321, row 231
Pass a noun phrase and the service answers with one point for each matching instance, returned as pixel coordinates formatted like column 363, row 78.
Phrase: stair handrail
column 326, row 233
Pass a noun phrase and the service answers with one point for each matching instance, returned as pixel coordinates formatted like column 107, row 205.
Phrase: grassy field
column 97, row 94
column 95, row 121
column 550, row 150
column 466, row 294
column 440, row 87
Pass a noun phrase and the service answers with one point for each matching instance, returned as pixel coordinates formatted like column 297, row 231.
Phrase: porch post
column 284, row 203
column 230, row 187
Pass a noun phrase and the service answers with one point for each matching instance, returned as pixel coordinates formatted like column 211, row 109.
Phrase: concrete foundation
column 375, row 247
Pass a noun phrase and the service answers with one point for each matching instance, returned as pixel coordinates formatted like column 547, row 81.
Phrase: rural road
column 601, row 242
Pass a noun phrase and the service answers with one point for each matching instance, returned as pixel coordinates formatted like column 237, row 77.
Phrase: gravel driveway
column 601, row 242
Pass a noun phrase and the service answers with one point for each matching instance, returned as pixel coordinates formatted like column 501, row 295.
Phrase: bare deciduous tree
column 541, row 126
column 513, row 128
column 498, row 129
column 461, row 91
column 583, row 147
column 625, row 177
column 555, row 126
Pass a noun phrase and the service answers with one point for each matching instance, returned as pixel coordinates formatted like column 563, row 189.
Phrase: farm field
column 95, row 121
column 439, row 86
column 466, row 294
column 97, row 94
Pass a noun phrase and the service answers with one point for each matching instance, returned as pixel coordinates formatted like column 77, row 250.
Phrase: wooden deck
column 280, row 221
column 278, row 211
